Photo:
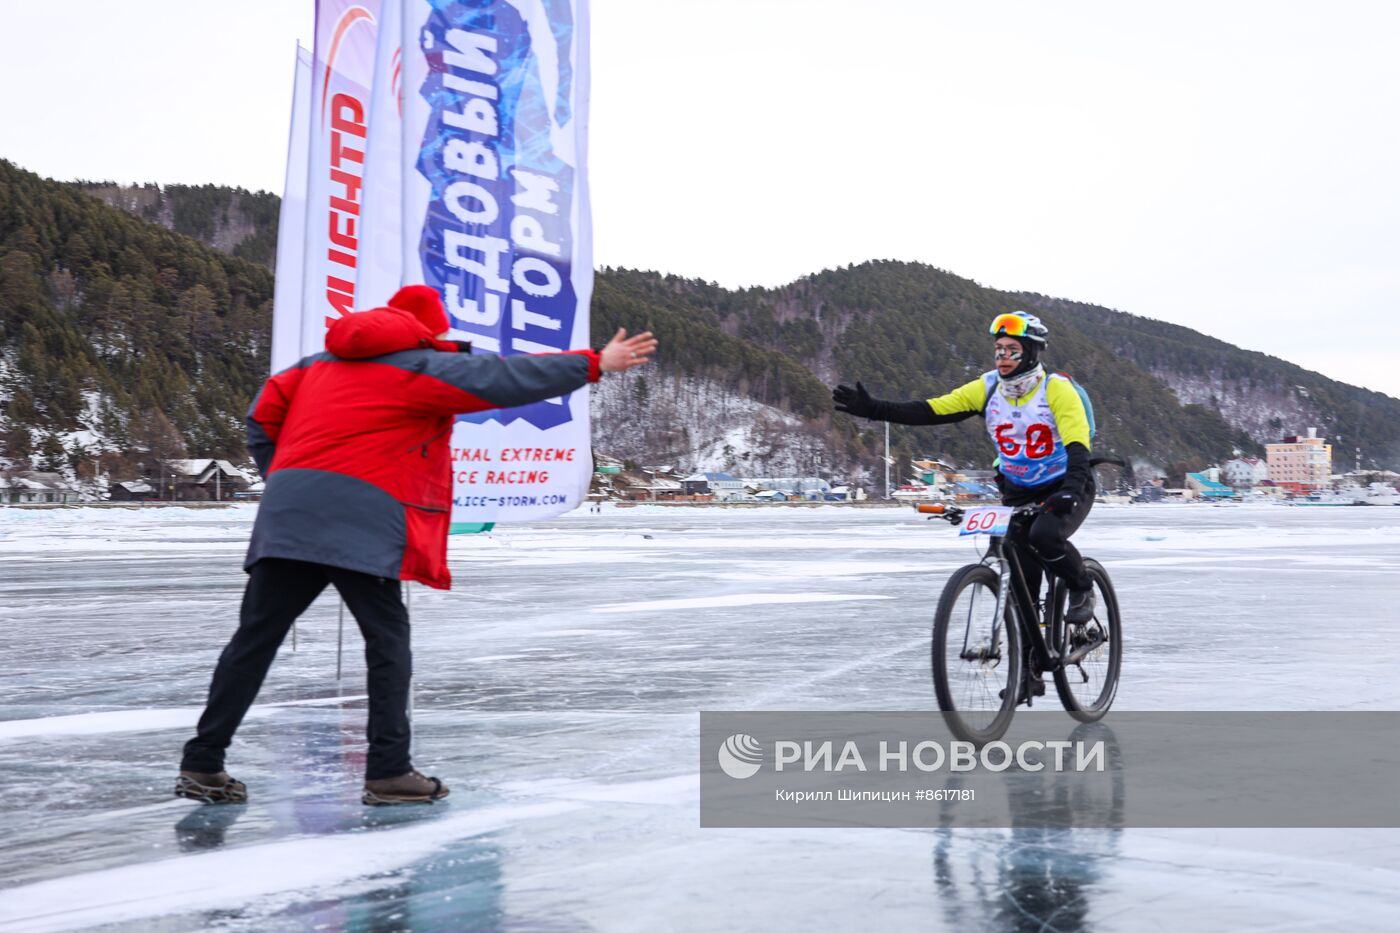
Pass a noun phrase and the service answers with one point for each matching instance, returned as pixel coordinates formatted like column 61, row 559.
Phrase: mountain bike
column 992, row 639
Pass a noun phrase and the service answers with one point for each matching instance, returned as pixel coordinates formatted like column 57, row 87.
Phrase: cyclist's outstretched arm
column 958, row 405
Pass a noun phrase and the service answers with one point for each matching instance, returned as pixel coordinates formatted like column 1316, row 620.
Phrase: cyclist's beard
column 1019, row 384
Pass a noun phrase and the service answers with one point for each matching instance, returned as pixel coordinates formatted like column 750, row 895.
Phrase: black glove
column 1062, row 503
column 855, row 401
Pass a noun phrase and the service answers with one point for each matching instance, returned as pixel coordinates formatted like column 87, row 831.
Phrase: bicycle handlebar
column 953, row 514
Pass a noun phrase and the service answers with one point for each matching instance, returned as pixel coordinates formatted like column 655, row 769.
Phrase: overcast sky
column 1233, row 167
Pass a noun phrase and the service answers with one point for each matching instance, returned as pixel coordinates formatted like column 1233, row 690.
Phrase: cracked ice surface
column 557, row 691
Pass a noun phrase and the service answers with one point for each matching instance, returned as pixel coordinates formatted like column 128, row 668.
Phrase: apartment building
column 1302, row 465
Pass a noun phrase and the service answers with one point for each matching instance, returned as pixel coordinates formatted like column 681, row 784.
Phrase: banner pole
column 408, row 611
column 340, row 640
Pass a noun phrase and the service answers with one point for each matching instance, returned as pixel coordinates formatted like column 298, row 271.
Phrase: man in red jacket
column 354, row 446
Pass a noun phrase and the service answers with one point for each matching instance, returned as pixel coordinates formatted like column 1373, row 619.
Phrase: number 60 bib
column 1027, row 439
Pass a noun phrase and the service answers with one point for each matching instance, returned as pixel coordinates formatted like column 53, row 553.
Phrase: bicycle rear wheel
column 976, row 657
column 1089, row 682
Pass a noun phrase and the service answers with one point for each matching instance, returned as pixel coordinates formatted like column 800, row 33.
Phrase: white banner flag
column 289, row 289
column 381, row 226
column 445, row 144
column 496, row 218
column 341, row 80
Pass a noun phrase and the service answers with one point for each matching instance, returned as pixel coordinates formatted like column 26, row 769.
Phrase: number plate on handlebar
column 987, row 520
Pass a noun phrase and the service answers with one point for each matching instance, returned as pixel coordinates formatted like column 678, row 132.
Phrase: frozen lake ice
column 556, row 692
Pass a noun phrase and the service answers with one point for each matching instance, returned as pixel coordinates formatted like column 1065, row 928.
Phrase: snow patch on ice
column 667, row 790
column 790, row 570
column 560, row 632
column 229, row 879
column 137, row 720
column 125, row 720
column 735, row 599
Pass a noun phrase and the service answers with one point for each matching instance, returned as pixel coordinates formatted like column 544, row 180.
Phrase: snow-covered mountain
column 703, row 425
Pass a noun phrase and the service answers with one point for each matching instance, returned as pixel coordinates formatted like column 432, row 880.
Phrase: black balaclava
column 1030, row 356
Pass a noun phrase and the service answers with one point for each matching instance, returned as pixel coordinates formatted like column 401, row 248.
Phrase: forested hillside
column 232, row 220
column 124, row 332
column 121, row 327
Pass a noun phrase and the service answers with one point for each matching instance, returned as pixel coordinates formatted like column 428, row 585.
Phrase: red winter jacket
column 354, row 443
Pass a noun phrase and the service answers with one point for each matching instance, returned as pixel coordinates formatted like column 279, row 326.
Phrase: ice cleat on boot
column 406, row 788
column 1090, row 634
column 1081, row 606
column 207, row 787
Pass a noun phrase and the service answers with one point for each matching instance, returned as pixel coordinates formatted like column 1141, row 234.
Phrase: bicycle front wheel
column 976, row 656
column 1093, row 652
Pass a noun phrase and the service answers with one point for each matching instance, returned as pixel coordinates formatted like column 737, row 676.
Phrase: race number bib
column 988, row 520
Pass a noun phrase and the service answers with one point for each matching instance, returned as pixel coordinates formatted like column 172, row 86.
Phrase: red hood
column 384, row 330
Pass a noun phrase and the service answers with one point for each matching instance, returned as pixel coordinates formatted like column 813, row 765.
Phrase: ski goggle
column 1012, row 325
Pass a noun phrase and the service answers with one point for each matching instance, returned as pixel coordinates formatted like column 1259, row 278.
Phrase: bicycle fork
column 992, row 650
column 1003, row 594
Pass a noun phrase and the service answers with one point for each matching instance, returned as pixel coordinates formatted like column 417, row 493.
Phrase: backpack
column 989, row 381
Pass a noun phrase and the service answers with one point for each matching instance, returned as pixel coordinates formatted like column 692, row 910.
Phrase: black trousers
column 1048, row 539
column 278, row 591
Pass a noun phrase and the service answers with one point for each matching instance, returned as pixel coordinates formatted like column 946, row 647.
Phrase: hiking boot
column 406, row 788
column 1037, row 690
column 210, row 787
column 1081, row 606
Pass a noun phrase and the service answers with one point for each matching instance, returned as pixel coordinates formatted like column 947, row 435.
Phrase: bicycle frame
column 1052, row 645
column 1008, row 557
column 1013, row 584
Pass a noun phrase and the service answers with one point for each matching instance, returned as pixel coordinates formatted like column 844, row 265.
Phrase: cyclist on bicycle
column 1041, row 430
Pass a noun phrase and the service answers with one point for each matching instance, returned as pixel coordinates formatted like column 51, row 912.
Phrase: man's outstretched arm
column 462, row 383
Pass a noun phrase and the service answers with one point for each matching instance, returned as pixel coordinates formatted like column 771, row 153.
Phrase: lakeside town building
column 1301, row 465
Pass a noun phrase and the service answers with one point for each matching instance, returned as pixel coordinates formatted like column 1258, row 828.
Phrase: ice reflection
column 1040, row 879
column 206, row 827
column 459, row 888
column 1042, row 873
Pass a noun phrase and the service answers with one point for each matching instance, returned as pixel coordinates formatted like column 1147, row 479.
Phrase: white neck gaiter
column 1024, row 384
